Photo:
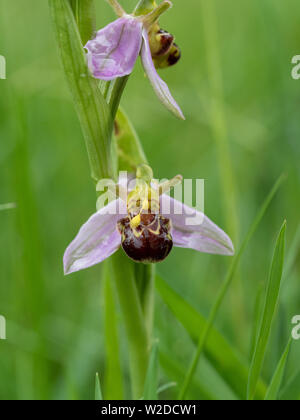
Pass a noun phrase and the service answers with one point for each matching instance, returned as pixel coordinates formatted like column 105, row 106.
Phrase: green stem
column 145, row 280
column 115, row 94
column 123, row 273
column 113, row 373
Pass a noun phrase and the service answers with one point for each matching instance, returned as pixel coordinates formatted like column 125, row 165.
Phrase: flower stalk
column 124, row 277
column 145, row 280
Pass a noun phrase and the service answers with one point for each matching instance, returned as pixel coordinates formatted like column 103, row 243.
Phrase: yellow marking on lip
column 135, row 222
column 155, row 232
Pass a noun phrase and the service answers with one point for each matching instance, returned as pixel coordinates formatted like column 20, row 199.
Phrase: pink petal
column 97, row 239
column 160, row 87
column 192, row 229
column 115, row 49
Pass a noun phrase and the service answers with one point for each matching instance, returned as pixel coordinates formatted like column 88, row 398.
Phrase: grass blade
column 274, row 387
column 257, row 318
column 165, row 387
column 98, row 391
column 213, row 314
column 151, row 383
column 229, row 364
column 175, row 370
column 268, row 313
column 216, row 114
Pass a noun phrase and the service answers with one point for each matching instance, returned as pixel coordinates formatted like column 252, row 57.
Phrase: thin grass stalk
column 217, row 116
column 228, row 281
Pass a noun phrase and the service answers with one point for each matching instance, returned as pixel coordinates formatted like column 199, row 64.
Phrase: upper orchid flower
column 115, row 49
column 146, row 223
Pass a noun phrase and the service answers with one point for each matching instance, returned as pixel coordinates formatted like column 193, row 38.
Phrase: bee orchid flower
column 115, row 49
column 146, row 223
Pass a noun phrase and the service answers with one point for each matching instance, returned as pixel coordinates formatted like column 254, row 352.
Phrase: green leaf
column 85, row 16
column 91, row 107
column 98, row 391
column 275, row 385
column 113, row 379
column 129, row 149
column 227, row 362
column 115, row 93
column 151, row 382
column 268, row 313
column 227, row 283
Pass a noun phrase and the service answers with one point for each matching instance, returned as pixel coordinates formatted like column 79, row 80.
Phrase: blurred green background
column 242, row 131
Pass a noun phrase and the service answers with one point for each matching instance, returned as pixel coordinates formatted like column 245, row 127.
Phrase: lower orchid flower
column 115, row 49
column 146, row 223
